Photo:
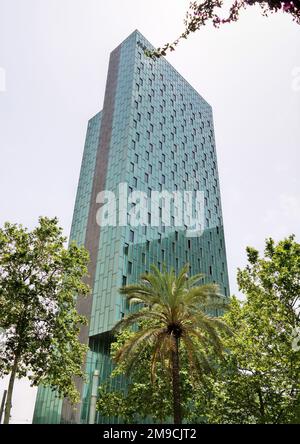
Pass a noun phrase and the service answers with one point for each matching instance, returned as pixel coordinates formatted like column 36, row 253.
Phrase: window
column 135, row 182
column 150, row 168
column 136, row 158
column 132, row 167
column 131, row 236
column 146, row 177
column 137, row 137
column 129, row 267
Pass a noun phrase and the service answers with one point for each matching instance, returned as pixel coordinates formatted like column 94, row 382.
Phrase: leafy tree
column 207, row 11
column 259, row 380
column 174, row 307
column 39, row 279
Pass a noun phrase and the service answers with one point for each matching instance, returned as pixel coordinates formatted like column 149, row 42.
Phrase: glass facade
column 155, row 133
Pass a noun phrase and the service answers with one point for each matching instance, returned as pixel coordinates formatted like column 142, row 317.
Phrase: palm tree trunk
column 176, row 384
column 12, row 378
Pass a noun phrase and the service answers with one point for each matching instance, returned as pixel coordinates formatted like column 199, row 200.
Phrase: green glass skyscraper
column 154, row 135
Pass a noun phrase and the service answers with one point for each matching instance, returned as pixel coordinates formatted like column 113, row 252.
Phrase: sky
column 53, row 66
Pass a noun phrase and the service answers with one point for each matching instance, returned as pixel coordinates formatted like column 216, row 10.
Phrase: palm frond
column 133, row 318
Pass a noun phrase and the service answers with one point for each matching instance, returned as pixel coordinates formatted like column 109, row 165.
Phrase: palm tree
column 176, row 309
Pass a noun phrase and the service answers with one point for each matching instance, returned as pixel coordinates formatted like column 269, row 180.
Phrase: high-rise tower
column 154, row 135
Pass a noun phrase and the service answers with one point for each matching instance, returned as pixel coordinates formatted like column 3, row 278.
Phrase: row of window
column 160, row 77
column 173, row 115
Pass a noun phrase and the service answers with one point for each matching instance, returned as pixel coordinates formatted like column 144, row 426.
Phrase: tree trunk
column 10, row 391
column 176, row 383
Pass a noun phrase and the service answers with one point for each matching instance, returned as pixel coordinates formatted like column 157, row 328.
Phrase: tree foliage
column 39, row 279
column 212, row 11
column 259, row 380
